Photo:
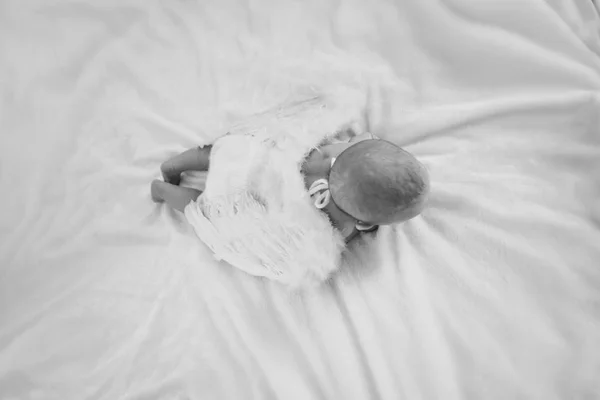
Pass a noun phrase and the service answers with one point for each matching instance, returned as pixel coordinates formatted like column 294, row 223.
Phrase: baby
column 284, row 194
column 359, row 184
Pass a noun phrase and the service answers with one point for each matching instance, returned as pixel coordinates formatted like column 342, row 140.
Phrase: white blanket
column 494, row 293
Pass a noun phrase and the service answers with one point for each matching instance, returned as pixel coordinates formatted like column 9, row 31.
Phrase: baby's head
column 377, row 183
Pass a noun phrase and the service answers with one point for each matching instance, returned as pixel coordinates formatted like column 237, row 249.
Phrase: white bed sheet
column 492, row 294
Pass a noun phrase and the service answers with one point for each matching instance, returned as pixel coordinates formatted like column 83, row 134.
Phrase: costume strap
column 319, row 192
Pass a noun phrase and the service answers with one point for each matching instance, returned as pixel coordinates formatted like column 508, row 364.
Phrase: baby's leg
column 176, row 197
column 194, row 159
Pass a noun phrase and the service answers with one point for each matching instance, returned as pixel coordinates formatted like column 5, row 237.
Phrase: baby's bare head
column 378, row 183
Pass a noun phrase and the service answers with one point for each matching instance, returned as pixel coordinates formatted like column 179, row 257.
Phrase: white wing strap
column 319, row 192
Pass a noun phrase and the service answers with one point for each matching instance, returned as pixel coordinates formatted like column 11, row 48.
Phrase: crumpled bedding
column 492, row 293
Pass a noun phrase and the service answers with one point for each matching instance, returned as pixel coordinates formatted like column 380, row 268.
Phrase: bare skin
column 169, row 191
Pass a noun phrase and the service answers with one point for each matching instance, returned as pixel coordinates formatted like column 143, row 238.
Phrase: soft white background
column 492, row 294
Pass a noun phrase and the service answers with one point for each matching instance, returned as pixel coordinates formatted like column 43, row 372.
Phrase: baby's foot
column 156, row 191
column 170, row 173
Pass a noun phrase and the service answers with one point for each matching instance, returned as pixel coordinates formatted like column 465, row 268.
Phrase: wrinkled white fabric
column 491, row 294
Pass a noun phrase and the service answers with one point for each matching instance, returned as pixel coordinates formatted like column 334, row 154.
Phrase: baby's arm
column 194, row 159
